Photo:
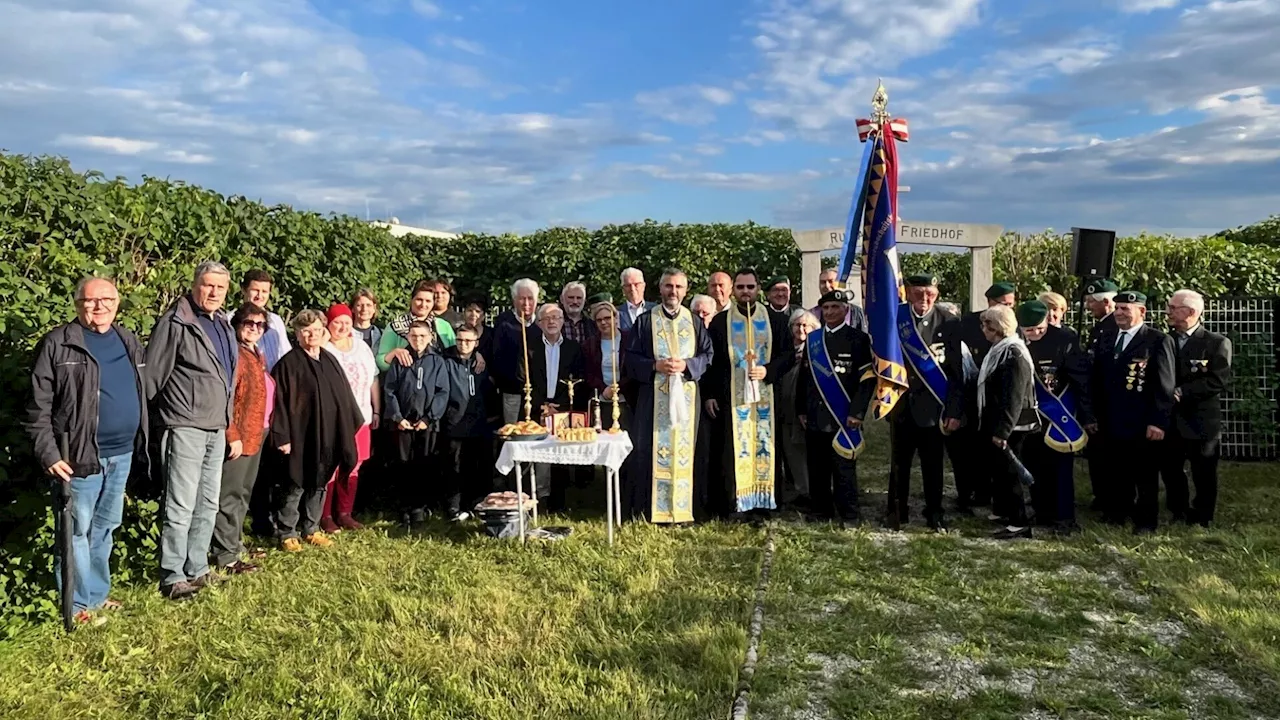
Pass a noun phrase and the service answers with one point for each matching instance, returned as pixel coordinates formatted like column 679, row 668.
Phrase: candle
column 524, row 342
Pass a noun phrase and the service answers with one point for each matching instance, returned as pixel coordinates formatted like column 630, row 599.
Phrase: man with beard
column 668, row 352
column 573, row 301
column 1132, row 384
column 973, row 478
column 915, row 421
column 752, row 349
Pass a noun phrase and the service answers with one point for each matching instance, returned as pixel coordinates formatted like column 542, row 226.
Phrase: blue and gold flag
column 882, row 289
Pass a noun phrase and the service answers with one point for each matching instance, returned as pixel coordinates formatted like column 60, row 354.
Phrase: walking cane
column 64, row 525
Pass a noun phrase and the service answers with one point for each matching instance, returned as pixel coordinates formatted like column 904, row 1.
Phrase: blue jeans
column 97, row 502
column 193, row 478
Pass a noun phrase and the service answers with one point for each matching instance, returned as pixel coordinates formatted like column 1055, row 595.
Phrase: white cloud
column 114, row 145
column 457, row 43
column 686, row 104
column 187, row 158
column 1146, row 6
column 426, row 8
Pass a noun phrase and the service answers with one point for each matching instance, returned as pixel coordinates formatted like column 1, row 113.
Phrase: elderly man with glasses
column 87, row 394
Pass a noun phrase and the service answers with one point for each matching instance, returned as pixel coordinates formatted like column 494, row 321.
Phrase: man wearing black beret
column 777, row 292
column 973, row 479
column 833, row 478
column 914, row 422
column 1100, row 303
column 1132, row 385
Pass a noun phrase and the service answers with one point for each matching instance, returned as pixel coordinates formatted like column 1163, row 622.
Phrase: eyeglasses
column 253, row 324
column 744, row 287
column 104, row 301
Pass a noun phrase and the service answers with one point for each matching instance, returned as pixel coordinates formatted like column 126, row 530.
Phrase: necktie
column 1121, row 341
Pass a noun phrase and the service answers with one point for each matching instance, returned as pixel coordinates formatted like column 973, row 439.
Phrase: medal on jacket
column 1137, row 375
column 1198, row 366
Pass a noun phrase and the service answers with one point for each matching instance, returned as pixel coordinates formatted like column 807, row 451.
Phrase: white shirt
column 553, row 364
column 1125, row 337
column 361, row 371
column 833, row 329
column 275, row 341
column 635, row 311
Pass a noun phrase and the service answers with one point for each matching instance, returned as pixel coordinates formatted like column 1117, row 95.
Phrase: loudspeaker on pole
column 1093, row 252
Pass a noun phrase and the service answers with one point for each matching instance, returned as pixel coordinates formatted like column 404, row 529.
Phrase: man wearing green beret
column 1132, row 384
column 1059, row 365
column 973, row 478
column 778, row 292
column 1100, row 303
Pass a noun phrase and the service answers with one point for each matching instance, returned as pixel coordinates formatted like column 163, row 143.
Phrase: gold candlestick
column 528, row 388
column 617, row 412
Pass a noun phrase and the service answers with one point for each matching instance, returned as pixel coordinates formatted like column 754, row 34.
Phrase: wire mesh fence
column 1249, row 419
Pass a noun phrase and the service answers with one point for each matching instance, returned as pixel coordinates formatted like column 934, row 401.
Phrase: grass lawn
column 858, row 624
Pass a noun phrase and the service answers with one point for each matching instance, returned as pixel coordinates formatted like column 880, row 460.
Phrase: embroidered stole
column 673, row 447
column 752, row 425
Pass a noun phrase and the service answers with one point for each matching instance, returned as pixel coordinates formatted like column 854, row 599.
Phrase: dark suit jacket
column 1134, row 390
column 938, row 329
column 624, row 318
column 572, row 365
column 507, row 371
column 962, row 398
column 716, row 381
column 1202, row 371
column 1106, row 324
column 850, row 354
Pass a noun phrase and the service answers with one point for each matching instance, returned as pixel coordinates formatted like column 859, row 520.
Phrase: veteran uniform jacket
column 1202, row 372
column 936, row 329
column 1061, row 364
column 1134, row 389
column 850, row 353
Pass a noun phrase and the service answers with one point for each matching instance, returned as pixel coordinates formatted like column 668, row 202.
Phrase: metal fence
column 1249, row 429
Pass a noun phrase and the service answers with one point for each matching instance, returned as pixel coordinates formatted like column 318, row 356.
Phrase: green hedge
column 57, row 225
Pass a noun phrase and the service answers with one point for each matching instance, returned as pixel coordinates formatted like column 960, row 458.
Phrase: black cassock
column 721, row 493
column 316, row 414
column 637, row 365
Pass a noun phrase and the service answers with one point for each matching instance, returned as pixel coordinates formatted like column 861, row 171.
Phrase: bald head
column 97, row 302
column 720, row 288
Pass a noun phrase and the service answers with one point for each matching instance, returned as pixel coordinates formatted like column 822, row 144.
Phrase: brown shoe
column 207, row 580
column 291, row 545
column 328, row 526
column 349, row 522
column 241, row 567
column 181, row 590
column 318, row 539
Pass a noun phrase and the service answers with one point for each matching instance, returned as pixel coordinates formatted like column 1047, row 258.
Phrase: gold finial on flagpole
column 880, row 105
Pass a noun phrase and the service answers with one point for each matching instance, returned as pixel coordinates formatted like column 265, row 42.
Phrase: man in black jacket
column 87, row 388
column 848, row 356
column 1202, row 370
column 554, row 362
column 968, row 458
column 509, row 348
column 1100, row 303
column 915, row 421
column 1132, row 389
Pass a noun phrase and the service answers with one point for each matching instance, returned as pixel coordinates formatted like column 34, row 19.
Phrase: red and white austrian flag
column 897, row 126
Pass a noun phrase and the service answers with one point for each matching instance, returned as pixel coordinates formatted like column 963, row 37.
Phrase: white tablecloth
column 609, row 451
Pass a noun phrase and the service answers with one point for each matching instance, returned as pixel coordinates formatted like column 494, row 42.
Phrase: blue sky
column 510, row 115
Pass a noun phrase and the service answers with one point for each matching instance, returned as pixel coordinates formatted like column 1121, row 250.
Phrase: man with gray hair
column 573, row 300
column 87, row 392
column 509, row 346
column 634, row 306
column 1202, row 371
column 191, row 362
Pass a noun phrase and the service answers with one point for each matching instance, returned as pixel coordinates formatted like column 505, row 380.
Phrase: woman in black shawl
column 314, row 425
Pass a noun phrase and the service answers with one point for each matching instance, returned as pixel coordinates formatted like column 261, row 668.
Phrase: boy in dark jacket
column 474, row 410
column 415, row 398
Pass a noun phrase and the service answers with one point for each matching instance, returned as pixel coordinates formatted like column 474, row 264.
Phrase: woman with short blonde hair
column 1057, row 305
column 1006, row 414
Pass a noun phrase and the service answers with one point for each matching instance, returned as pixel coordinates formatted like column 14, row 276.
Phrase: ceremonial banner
column 848, row 442
column 1065, row 433
column 674, row 444
column 882, row 289
column 853, row 223
column 751, row 339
